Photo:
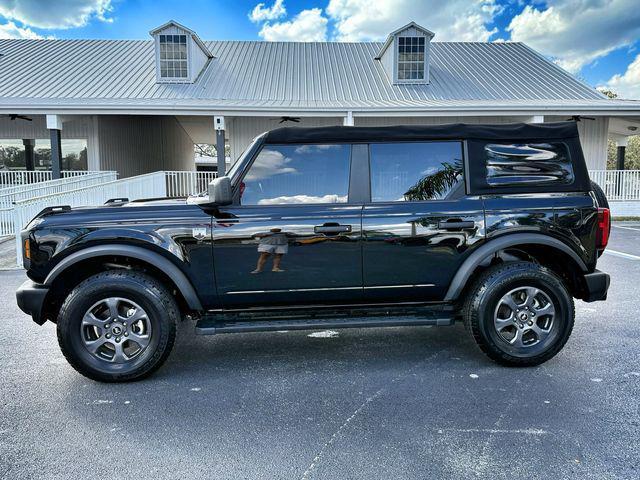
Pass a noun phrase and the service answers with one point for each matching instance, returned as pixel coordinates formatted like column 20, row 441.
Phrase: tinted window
column 285, row 174
column 415, row 171
column 527, row 163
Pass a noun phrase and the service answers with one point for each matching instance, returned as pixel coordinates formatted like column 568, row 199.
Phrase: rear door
column 420, row 225
column 294, row 236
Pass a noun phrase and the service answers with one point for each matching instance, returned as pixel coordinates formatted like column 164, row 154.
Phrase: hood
column 116, row 211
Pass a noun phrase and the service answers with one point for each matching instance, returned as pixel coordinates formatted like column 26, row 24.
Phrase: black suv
column 496, row 225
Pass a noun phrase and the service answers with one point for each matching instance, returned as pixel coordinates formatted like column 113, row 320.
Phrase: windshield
column 235, row 168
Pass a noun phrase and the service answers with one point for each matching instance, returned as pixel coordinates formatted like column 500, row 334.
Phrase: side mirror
column 220, row 191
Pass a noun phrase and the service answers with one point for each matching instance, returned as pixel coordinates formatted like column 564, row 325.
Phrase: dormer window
column 173, row 57
column 411, row 64
column 405, row 55
column 180, row 54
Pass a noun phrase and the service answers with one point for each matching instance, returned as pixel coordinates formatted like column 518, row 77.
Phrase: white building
column 140, row 105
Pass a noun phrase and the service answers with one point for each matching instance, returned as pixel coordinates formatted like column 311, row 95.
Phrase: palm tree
column 434, row 185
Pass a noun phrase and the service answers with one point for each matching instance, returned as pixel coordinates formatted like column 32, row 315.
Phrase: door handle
column 332, row 228
column 456, row 224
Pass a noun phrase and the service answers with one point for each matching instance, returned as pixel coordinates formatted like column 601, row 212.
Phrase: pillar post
column 54, row 124
column 29, row 159
column 218, row 122
column 621, row 144
column 348, row 119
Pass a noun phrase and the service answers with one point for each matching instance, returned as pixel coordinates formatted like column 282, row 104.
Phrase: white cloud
column 55, row 14
column 261, row 13
column 330, row 198
column 268, row 164
column 577, row 32
column 627, row 85
column 307, row 26
column 11, row 30
column 453, row 20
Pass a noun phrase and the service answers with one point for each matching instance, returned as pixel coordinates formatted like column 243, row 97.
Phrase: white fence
column 618, row 185
column 180, row 184
column 149, row 185
column 22, row 177
column 8, row 195
column 12, row 194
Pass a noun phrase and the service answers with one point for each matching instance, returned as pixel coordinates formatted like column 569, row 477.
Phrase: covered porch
column 48, row 144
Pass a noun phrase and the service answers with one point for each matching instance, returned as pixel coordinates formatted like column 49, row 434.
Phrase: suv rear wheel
column 117, row 326
column 520, row 313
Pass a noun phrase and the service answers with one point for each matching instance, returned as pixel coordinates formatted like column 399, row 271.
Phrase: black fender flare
column 500, row 243
column 173, row 272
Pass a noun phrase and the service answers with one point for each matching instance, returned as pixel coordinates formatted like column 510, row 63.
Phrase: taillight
column 604, row 226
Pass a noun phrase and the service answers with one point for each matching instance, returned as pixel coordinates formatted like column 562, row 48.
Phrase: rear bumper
column 30, row 297
column 597, row 284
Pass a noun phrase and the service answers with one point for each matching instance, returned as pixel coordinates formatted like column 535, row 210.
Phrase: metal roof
column 253, row 75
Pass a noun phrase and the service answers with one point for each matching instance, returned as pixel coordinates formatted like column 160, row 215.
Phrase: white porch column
column 218, row 123
column 348, row 119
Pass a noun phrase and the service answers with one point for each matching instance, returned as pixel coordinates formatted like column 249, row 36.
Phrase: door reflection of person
column 273, row 243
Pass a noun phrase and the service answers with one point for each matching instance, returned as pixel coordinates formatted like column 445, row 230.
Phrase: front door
column 420, row 225
column 293, row 237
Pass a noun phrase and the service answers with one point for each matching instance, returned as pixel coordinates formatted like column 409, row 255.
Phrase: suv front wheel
column 118, row 325
column 520, row 314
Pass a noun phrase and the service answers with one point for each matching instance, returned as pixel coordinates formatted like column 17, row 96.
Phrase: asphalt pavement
column 368, row 403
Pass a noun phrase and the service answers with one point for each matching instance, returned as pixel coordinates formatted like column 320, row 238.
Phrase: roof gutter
column 253, row 111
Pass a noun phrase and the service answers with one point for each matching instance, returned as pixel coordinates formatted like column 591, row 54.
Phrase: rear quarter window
column 511, row 164
column 416, row 171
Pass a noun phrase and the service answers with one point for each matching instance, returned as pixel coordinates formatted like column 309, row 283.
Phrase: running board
column 213, row 325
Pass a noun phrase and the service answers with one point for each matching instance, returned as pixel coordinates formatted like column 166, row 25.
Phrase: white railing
column 150, row 185
column 618, row 185
column 8, row 195
column 181, row 184
column 22, row 177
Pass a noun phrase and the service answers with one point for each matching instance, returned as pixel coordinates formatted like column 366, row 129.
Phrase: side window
column 510, row 164
column 294, row 174
column 415, row 171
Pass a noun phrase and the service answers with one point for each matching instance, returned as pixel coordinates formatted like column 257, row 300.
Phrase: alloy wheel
column 525, row 317
column 115, row 330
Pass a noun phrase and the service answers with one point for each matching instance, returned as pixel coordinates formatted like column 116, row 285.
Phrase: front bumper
column 597, row 284
column 30, row 297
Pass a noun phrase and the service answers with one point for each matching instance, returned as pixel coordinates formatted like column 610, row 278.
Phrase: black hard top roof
column 453, row 131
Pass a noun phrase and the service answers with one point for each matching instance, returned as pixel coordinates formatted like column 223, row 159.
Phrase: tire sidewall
column 92, row 291
column 538, row 278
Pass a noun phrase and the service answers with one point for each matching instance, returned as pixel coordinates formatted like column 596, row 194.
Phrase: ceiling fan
column 13, row 116
column 289, row 119
column 577, row 118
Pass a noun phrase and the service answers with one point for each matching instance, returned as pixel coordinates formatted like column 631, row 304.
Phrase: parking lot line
column 637, row 229
column 622, row 254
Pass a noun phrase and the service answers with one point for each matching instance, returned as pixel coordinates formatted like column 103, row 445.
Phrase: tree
column 632, row 154
column 208, row 150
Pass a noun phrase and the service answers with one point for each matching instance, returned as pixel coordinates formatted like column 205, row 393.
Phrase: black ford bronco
column 497, row 226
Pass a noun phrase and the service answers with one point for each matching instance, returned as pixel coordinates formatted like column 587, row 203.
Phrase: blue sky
column 596, row 40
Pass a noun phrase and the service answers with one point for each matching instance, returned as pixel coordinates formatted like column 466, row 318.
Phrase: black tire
column 129, row 288
column 601, row 198
column 481, row 307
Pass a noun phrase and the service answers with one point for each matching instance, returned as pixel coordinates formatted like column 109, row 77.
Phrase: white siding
column 241, row 130
column 593, row 137
column 133, row 145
